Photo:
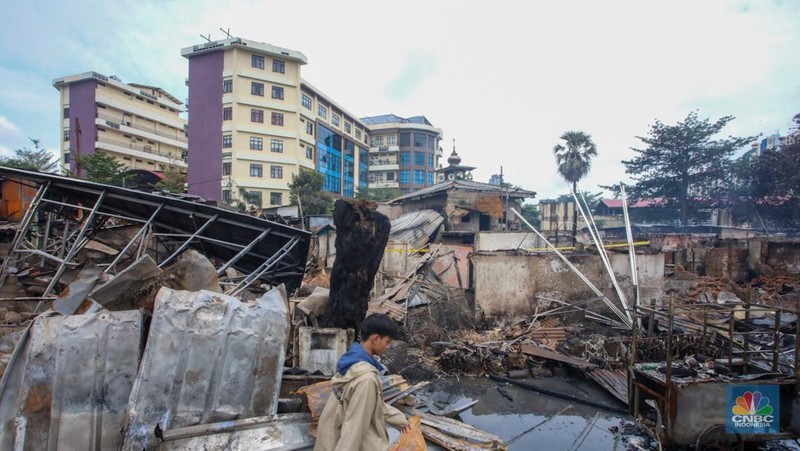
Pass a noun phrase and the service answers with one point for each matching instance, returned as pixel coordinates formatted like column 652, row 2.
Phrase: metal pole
column 242, row 252
column 631, row 248
column 23, row 229
column 603, row 256
column 266, row 266
column 76, row 246
column 133, row 240
column 46, row 236
column 188, row 241
column 569, row 264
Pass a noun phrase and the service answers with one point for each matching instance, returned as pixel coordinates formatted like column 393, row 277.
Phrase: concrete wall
column 506, row 285
column 502, row 241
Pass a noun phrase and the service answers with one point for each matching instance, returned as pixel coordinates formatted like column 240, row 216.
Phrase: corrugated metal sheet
column 68, row 385
column 416, row 227
column 281, row 432
column 209, row 358
column 615, row 382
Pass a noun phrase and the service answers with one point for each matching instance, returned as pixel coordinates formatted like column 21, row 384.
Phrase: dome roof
column 454, row 159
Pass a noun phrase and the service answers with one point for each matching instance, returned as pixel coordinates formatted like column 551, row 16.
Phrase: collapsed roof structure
column 66, row 214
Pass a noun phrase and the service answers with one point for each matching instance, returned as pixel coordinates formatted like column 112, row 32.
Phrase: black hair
column 379, row 324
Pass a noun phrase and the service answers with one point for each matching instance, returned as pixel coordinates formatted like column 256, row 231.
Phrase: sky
column 504, row 79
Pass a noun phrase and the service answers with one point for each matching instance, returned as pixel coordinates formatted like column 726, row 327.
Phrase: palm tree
column 574, row 162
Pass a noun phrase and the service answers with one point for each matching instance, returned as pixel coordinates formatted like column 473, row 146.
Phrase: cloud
column 8, row 129
column 419, row 67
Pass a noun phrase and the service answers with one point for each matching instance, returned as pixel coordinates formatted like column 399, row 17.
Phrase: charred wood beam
column 361, row 237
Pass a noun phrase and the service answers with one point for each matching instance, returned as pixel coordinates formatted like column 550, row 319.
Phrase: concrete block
column 320, row 348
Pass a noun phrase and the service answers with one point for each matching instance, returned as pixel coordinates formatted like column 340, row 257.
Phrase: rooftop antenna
column 208, row 38
column 227, row 32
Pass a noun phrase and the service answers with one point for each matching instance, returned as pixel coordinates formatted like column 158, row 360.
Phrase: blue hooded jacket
column 356, row 354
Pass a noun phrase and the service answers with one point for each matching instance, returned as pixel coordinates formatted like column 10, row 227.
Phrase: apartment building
column 404, row 152
column 254, row 122
column 140, row 125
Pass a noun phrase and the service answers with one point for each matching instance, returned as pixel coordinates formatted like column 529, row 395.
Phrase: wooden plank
column 550, row 355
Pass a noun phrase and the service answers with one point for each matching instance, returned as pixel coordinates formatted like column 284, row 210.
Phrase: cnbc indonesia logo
column 752, row 410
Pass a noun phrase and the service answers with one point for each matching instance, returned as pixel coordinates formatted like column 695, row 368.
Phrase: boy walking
column 355, row 416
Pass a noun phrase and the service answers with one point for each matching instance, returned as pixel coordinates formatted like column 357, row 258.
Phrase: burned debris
column 204, row 327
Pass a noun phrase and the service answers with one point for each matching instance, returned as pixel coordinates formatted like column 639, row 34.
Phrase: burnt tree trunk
column 361, row 236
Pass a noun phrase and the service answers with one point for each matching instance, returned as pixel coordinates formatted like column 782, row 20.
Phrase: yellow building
column 254, row 122
column 140, row 125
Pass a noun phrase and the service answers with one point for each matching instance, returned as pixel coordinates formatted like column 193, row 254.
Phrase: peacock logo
column 752, row 403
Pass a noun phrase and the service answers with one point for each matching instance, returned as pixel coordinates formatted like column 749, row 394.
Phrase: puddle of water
column 530, row 420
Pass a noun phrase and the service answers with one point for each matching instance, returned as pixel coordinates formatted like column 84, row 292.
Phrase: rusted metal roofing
column 614, row 381
column 440, row 188
column 551, row 355
column 415, row 228
column 209, row 358
column 68, row 383
column 274, row 253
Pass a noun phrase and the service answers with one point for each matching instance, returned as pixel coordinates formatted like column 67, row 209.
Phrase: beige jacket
column 358, row 421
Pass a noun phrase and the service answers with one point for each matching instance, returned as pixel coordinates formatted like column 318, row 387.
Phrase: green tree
column 174, row 181
column 531, row 214
column 765, row 189
column 574, row 161
column 683, row 164
column 243, row 199
column 102, row 168
column 36, row 159
column 379, row 194
column 305, row 190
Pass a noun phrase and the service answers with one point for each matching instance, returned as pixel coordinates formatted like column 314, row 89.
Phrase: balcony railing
column 115, row 122
column 141, row 148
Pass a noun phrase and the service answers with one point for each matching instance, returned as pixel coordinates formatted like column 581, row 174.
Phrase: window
column 309, row 153
column 276, row 172
column 420, row 140
column 390, row 176
column 405, row 158
column 430, row 179
column 419, row 158
column 257, row 61
column 405, row 176
column 322, row 112
column 276, row 145
column 227, row 141
column 256, row 88
column 310, row 128
column 226, row 168
column 277, row 92
column 405, row 139
column 226, row 196
column 377, row 141
column 66, row 135
column 256, row 170
column 348, row 127
column 276, row 198
column 227, row 86
column 227, row 113
column 335, row 119
column 66, row 112
column 431, row 142
column 305, row 101
column 430, row 160
column 256, row 143
column 277, row 119
column 391, row 140
column 254, row 197
column 278, row 66
column 358, row 133
column 257, row 116
column 66, row 157
column 419, row 177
